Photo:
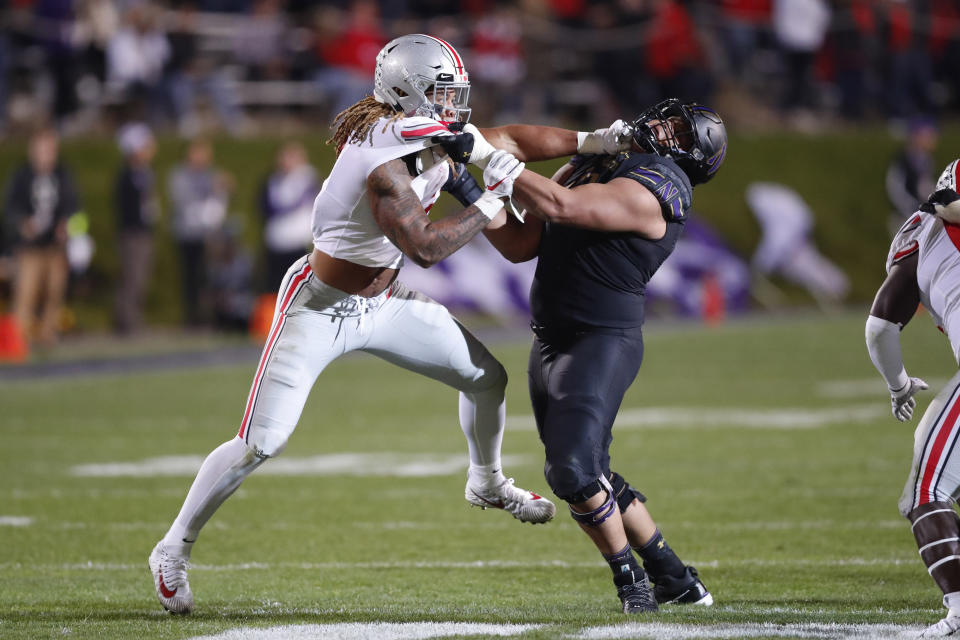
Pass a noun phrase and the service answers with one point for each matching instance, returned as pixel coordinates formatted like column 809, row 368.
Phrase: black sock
column 659, row 559
column 626, row 569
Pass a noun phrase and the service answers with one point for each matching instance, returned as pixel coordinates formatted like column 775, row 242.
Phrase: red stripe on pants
column 278, row 326
column 936, row 453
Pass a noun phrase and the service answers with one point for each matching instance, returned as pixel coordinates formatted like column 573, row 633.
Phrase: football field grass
column 765, row 447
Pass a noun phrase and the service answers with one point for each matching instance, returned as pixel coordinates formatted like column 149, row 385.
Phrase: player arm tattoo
column 899, row 295
column 400, row 215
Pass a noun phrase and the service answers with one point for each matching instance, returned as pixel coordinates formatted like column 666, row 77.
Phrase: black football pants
column 577, row 381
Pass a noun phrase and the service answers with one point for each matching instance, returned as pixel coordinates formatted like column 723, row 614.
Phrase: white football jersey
column 938, row 269
column 343, row 224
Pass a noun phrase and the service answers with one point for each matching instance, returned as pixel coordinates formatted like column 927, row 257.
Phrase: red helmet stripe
column 456, row 56
column 956, row 173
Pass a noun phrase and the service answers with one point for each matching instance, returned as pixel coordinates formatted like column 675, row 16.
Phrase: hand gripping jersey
column 937, row 244
column 588, row 278
column 343, row 224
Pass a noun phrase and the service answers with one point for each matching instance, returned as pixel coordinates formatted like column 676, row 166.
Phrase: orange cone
column 262, row 317
column 714, row 306
column 13, row 347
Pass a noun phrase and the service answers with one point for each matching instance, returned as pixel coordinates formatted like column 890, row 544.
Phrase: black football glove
column 462, row 186
column 940, row 201
column 459, row 146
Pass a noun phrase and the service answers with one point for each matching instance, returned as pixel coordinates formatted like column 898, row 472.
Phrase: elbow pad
column 667, row 181
column 883, row 344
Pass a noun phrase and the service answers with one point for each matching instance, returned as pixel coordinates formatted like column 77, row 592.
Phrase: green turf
column 786, row 525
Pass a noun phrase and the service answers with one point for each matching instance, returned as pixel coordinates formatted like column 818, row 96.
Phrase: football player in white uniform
column 395, row 153
column 923, row 267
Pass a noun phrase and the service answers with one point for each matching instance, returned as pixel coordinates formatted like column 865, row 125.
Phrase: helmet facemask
column 446, row 101
column 692, row 135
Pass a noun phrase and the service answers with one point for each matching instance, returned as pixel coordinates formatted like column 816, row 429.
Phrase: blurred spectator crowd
column 182, row 65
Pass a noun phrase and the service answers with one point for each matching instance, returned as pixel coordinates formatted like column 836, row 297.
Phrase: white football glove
column 482, row 150
column 609, row 140
column 502, row 169
column 902, row 401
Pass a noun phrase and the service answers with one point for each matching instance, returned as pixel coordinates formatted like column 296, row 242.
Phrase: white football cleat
column 947, row 627
column 170, row 580
column 524, row 505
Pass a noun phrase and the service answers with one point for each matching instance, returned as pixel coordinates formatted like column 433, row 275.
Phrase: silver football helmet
column 424, row 76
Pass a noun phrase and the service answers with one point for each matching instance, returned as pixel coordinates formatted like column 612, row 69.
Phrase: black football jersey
column 587, row 278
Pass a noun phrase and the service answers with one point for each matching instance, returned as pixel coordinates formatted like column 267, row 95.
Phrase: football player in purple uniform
column 600, row 229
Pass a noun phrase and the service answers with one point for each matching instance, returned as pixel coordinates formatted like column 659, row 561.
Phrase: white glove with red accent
column 482, row 150
column 502, row 169
column 609, row 140
column 902, row 401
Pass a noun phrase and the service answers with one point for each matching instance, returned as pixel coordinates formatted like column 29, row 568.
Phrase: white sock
column 219, row 476
column 482, row 416
column 952, row 602
column 486, row 475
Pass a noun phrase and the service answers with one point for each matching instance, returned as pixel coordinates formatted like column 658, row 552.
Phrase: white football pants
column 313, row 324
column 935, row 474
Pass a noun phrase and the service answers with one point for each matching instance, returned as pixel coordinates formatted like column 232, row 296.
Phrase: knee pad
column 266, row 442
column 570, row 480
column 599, row 515
column 623, row 493
column 494, row 376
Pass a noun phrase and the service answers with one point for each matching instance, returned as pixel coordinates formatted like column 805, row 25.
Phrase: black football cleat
column 687, row 589
column 637, row 597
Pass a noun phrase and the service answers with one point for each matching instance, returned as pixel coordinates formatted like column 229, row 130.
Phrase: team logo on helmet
column 691, row 134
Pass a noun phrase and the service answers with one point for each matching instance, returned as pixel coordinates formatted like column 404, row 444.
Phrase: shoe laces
column 174, row 570
column 637, row 593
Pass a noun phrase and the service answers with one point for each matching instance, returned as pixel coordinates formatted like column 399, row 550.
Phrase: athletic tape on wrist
column 489, row 204
column 581, row 136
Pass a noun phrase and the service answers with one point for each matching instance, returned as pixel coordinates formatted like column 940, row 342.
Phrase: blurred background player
column 344, row 295
column 909, row 177
column 286, row 204
column 138, row 211
column 787, row 247
column 199, row 195
column 601, row 229
column 923, row 267
column 40, row 197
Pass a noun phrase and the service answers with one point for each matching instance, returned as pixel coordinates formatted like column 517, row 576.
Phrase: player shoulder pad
column 391, row 139
column 415, row 128
column 906, row 242
column 663, row 178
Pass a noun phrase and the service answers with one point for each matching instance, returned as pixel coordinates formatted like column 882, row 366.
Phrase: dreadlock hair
column 354, row 123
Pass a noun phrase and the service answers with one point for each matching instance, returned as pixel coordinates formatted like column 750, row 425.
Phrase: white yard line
column 399, row 465
column 373, row 630
column 820, row 631
column 864, row 388
column 634, row 630
column 735, row 417
column 476, row 564
column 15, row 521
